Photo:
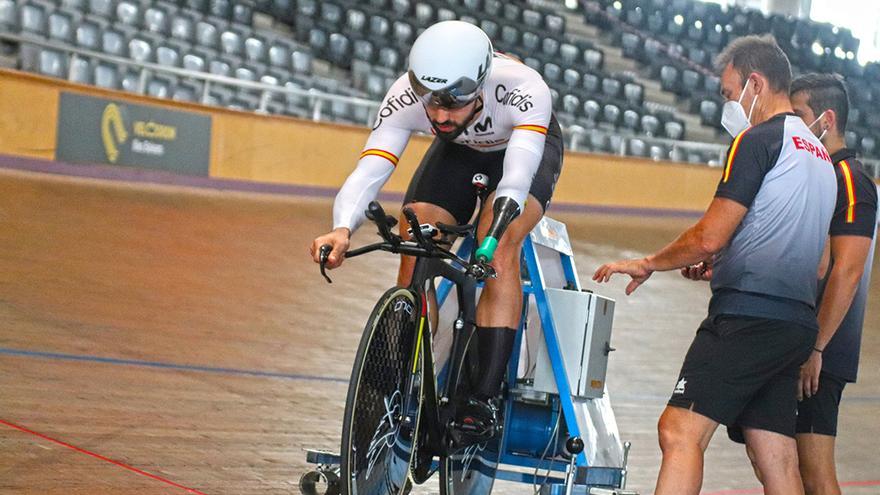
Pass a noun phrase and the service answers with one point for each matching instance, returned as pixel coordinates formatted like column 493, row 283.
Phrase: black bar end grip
column 504, row 211
column 377, row 214
column 323, row 254
column 415, row 226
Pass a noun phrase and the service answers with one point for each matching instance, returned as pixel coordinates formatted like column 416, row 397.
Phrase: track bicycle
column 400, row 408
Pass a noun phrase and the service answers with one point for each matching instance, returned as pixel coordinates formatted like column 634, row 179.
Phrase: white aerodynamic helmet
column 449, row 63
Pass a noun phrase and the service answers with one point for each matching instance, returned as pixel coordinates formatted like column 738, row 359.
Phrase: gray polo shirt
column 855, row 214
column 784, row 176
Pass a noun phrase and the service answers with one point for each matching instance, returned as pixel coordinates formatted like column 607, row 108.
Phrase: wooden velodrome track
column 155, row 339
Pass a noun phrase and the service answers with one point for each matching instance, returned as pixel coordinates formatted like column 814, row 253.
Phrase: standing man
column 821, row 101
column 766, row 228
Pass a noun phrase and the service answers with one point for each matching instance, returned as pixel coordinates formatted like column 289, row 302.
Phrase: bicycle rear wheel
column 471, row 471
column 382, row 407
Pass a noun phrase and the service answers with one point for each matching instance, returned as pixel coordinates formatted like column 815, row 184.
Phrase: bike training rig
column 557, row 413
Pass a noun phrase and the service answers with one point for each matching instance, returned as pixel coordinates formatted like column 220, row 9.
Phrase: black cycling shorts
column 447, row 169
column 818, row 414
column 743, row 371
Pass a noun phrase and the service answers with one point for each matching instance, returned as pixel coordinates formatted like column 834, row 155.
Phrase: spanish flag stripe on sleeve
column 733, row 149
column 850, row 192
column 391, row 157
column 529, row 127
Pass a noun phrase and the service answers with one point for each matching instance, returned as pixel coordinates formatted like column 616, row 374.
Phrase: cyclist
column 489, row 114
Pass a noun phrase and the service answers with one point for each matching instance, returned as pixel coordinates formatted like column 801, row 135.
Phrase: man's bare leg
column 816, row 461
column 426, row 213
column 777, row 460
column 684, row 436
column 500, row 303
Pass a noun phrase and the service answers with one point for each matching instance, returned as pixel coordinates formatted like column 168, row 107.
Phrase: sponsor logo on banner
column 97, row 130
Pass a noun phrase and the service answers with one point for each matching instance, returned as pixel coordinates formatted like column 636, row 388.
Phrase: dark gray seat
column 128, row 12
column 491, row 28
column 571, row 103
column 634, row 93
column 102, row 8
column 673, row 129
column 140, row 50
column 355, row 21
column 52, row 63
column 552, row 73
column 510, row 35
column 32, row 20
column 61, row 27
column 612, row 87
column 550, row 47
column 331, row 15
column 255, row 50
column 194, row 62
column 389, row 57
column 242, row 13
column 156, row 20
column 231, row 43
column 650, row 125
column 591, row 110
column 77, row 5
column 220, row 8
column 160, row 86
column 555, row 24
column 113, row 43
column 594, row 59
column 182, row 27
column 219, row 67
column 630, row 120
column 364, row 50
column 8, row 16
column 106, row 75
column 301, row 61
column 167, row 56
column 571, row 78
column 424, row 14
column 591, row 83
column 401, row 8
column 533, row 62
column 130, row 80
column 490, row 7
column 80, row 70
column 206, row 34
column 637, row 147
column 531, row 42
column 532, row 19
column 444, row 14
column 88, row 36
column 402, row 33
column 339, row 50
column 279, row 55
column 380, row 27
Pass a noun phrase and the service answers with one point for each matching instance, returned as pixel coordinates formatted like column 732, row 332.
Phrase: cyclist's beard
column 459, row 128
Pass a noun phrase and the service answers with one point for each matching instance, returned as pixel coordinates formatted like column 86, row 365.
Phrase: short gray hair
column 759, row 54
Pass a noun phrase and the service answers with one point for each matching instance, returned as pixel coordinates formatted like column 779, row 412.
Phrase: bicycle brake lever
column 324, row 253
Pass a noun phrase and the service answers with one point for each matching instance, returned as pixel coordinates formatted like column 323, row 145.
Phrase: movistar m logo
column 433, row 79
column 483, row 126
column 113, row 131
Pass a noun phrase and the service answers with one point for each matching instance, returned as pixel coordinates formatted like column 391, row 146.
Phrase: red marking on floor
column 752, row 491
column 99, row 456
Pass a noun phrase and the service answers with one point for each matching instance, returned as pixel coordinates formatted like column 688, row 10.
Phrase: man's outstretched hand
column 338, row 240
column 637, row 269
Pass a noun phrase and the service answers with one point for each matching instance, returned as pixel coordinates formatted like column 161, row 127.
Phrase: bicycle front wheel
column 377, row 429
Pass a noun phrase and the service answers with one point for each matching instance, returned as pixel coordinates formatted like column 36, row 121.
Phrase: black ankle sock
column 494, row 345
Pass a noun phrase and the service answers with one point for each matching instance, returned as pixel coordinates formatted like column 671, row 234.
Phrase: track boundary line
column 101, row 457
column 171, row 366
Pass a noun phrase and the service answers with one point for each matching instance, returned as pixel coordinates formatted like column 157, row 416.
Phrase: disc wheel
column 380, row 413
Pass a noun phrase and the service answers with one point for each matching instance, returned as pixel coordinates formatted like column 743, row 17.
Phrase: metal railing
column 575, row 136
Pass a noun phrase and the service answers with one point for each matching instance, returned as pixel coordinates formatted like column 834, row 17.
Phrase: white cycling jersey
column 515, row 116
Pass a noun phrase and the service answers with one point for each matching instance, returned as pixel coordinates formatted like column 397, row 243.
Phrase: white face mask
column 733, row 115
column 824, row 131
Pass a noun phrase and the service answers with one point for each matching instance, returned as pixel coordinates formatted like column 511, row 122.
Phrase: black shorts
column 818, row 414
column 445, row 174
column 743, row 371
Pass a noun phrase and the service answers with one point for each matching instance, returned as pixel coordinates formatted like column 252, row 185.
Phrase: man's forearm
column 836, row 300
column 688, row 249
